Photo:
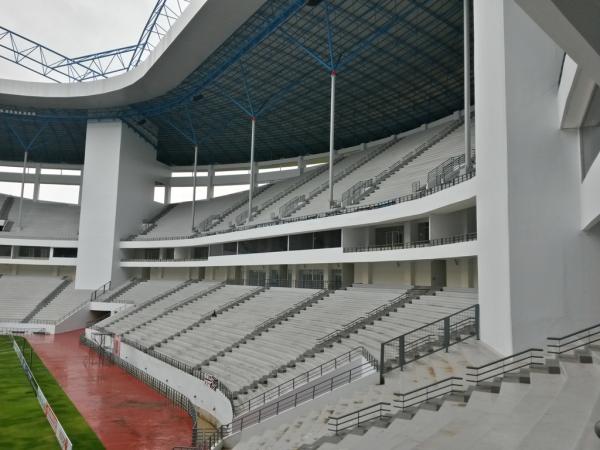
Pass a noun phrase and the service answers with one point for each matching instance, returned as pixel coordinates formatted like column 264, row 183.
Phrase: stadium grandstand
column 305, row 224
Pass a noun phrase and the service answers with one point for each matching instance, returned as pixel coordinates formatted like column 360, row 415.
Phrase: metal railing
column 301, row 396
column 378, row 411
column 430, row 338
column 373, row 314
column 100, row 291
column 527, row 358
column 367, row 207
column 164, row 389
column 447, row 386
column 291, row 385
column 355, row 193
column 290, row 206
column 416, row 244
column 573, row 341
column 330, row 285
column 446, row 171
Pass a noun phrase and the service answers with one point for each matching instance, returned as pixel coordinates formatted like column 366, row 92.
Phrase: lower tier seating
column 19, row 295
column 202, row 342
column 67, row 301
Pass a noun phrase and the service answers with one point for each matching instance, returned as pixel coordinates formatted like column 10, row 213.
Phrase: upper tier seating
column 400, row 183
column 129, row 319
column 306, row 188
column 177, row 222
column 199, row 343
column 369, row 170
column 43, row 219
column 166, row 325
column 19, row 295
column 64, row 303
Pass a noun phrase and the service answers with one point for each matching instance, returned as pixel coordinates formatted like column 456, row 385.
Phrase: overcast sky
column 73, row 27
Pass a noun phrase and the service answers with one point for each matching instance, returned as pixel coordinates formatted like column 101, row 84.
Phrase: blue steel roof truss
column 398, row 65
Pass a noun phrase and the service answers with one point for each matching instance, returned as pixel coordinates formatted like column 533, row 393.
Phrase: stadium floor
column 123, row 411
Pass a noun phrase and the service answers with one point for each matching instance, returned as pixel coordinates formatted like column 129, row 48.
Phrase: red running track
column 124, row 412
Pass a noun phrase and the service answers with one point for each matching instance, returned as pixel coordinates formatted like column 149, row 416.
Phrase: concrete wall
column 537, row 271
column 212, row 403
column 117, row 194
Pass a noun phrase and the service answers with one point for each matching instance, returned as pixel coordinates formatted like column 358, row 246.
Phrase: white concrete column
column 301, row 164
column 210, row 184
column 36, row 183
column 538, row 273
column 119, row 175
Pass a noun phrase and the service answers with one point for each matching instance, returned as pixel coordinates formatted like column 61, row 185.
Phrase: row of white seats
column 19, row 295
column 200, row 343
column 400, row 183
column 67, row 301
column 176, row 320
column 145, row 290
column 298, row 334
column 422, row 311
column 177, row 222
column 369, row 170
column 144, row 312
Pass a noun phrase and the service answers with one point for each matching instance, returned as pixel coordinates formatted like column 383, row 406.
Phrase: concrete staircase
column 550, row 405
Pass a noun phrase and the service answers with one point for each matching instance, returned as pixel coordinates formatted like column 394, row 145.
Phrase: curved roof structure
column 398, row 64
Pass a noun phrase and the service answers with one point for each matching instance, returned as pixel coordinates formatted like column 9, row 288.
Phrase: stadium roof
column 398, row 64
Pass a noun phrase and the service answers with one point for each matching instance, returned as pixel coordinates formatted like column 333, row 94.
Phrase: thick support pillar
column 194, row 184
column 331, row 137
column 301, row 165
column 538, row 272
column 467, row 81
column 252, row 170
column 119, row 175
column 210, row 185
column 37, row 182
column 20, row 217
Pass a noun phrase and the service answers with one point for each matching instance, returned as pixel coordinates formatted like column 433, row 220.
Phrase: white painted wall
column 118, row 190
column 537, row 271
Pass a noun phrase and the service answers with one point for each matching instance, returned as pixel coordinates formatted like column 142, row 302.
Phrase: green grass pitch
column 22, row 422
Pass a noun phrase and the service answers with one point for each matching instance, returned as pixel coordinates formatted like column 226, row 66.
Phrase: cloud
column 74, row 27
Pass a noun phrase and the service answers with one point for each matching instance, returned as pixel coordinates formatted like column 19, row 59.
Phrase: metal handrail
column 377, row 411
column 440, row 337
column 580, row 338
column 416, row 244
column 299, row 397
column 299, row 380
column 105, row 287
column 526, row 358
column 423, row 394
column 380, row 310
column 382, row 204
